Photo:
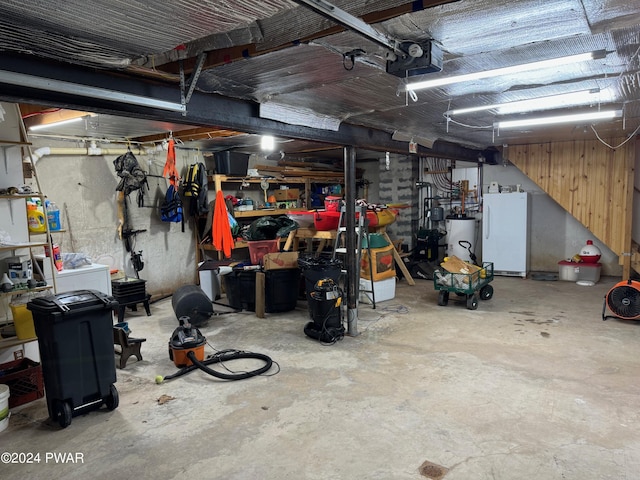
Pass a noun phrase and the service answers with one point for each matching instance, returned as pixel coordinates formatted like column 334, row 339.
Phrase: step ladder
column 362, row 233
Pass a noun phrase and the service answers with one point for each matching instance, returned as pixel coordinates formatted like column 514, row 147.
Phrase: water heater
column 460, row 236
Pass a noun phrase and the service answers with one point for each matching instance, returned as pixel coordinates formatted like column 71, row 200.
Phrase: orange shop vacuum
column 186, row 350
column 186, row 343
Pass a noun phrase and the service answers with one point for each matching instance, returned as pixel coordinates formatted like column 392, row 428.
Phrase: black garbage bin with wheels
column 75, row 339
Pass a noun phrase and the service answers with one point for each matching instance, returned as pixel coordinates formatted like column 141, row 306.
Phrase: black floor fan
column 623, row 300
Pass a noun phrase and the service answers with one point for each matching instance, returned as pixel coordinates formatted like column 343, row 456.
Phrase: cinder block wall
column 397, row 185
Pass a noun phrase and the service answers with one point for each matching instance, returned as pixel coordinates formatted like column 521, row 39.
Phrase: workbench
column 309, row 234
column 323, row 235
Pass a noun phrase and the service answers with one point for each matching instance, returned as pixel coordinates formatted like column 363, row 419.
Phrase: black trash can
column 240, row 286
column 75, row 339
column 281, row 289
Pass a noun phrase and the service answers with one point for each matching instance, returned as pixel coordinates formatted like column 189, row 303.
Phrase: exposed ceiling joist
column 216, row 57
column 204, row 109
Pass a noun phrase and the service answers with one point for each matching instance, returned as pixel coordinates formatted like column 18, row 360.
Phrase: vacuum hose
column 219, row 358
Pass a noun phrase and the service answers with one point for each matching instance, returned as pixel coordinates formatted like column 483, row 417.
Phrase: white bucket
column 4, row 406
column 4, row 423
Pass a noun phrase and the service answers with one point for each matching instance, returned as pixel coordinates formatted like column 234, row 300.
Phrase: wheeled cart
column 472, row 285
column 75, row 338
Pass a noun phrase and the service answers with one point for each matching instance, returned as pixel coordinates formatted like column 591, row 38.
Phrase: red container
column 57, row 257
column 332, row 204
column 324, row 220
column 259, row 248
column 24, row 379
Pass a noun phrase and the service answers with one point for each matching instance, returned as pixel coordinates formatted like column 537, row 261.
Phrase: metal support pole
column 350, row 224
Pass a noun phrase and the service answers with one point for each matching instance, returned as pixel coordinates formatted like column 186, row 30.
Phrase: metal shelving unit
column 15, row 163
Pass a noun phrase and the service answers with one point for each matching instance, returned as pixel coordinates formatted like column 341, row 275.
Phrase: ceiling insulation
column 298, row 67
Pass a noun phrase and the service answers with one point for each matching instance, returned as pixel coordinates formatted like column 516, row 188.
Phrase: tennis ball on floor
column 159, row 379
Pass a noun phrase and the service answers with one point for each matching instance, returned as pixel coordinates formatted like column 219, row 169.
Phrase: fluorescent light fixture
column 570, row 118
column 49, row 84
column 45, row 126
column 582, row 97
column 553, row 62
column 267, row 143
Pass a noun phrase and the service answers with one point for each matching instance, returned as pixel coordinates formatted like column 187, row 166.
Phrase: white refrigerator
column 505, row 232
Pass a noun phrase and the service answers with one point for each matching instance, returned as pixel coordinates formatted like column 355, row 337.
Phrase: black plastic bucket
column 240, row 286
column 281, row 289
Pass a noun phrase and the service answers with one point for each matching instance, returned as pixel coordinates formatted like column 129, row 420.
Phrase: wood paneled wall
column 591, row 181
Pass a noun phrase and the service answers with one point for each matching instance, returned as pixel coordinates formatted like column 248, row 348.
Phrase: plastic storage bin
column 568, row 271
column 258, row 249
column 589, row 272
column 75, row 339
column 231, row 163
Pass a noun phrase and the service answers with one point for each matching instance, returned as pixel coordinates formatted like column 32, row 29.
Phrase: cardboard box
column 287, row 194
column 382, row 263
column 275, row 261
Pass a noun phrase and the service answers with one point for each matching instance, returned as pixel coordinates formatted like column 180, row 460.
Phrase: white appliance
column 90, row 277
column 461, row 237
column 505, row 232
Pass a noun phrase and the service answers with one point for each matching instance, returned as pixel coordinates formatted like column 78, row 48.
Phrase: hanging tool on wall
column 132, row 178
column 129, row 238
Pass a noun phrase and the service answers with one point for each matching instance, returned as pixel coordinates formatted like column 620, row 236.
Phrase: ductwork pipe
column 91, row 151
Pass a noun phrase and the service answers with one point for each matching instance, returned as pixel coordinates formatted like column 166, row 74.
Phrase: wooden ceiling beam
column 216, row 58
column 203, row 133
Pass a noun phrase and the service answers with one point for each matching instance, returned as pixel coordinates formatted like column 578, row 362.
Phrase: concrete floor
column 531, row 385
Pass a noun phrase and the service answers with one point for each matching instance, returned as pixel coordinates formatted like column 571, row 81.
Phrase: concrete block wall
column 83, row 187
column 397, row 185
